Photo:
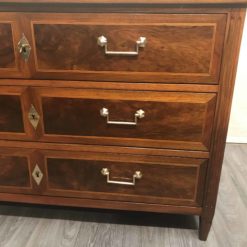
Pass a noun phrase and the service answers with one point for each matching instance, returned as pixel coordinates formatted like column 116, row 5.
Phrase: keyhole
column 37, row 174
column 33, row 116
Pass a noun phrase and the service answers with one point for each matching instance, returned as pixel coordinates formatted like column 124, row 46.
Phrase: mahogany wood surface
column 11, row 114
column 180, row 48
column 175, row 120
column 14, row 107
column 11, row 66
column 184, row 78
column 166, row 122
column 132, row 1
column 104, row 149
column 192, row 88
column 14, row 172
column 80, row 176
column 228, row 75
column 165, row 180
column 103, row 204
column 6, row 46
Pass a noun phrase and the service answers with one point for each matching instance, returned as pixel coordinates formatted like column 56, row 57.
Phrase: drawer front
column 11, row 64
column 160, row 180
column 15, row 170
column 7, row 51
column 14, row 113
column 138, row 118
column 178, row 48
column 11, row 114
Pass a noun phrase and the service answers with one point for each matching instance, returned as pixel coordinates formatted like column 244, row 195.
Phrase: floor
column 35, row 226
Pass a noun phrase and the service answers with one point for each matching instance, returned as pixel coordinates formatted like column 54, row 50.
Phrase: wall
column 238, row 122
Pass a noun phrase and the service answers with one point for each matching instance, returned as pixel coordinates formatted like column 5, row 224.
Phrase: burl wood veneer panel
column 7, row 53
column 172, row 120
column 14, row 171
column 11, row 114
column 180, row 48
column 11, row 63
column 164, row 180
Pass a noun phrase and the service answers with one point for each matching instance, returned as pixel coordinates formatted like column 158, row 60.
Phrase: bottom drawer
column 15, row 175
column 120, row 177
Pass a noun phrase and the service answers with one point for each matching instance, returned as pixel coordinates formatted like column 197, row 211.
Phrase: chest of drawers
column 117, row 104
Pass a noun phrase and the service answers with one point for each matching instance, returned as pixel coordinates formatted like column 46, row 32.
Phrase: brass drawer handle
column 104, row 112
column 106, row 172
column 24, row 48
column 141, row 42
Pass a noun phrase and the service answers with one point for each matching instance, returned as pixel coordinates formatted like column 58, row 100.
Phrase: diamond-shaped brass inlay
column 24, row 48
column 37, row 175
column 33, row 117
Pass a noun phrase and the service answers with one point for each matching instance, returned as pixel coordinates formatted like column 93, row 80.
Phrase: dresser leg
column 204, row 228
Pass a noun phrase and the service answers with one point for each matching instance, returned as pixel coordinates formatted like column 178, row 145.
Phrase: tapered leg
column 204, row 228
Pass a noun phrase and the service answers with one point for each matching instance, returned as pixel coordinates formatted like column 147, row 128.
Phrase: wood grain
column 17, row 165
column 14, row 171
column 172, row 120
column 228, row 74
column 132, row 1
column 180, row 48
column 42, row 226
column 203, row 49
column 158, row 185
column 80, row 56
column 190, row 172
column 14, row 108
column 7, row 53
column 11, row 63
column 196, row 88
column 103, row 149
column 11, row 114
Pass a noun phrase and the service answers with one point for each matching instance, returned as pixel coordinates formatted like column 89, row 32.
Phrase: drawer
column 14, row 118
column 184, row 48
column 122, row 177
column 11, row 64
column 15, row 170
column 130, row 118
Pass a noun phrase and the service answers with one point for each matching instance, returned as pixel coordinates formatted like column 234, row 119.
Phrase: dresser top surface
column 132, row 1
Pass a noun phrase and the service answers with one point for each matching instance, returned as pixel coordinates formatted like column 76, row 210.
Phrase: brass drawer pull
column 141, row 42
column 106, row 172
column 104, row 112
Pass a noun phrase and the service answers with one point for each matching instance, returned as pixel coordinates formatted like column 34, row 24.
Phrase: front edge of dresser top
column 132, row 1
column 235, row 15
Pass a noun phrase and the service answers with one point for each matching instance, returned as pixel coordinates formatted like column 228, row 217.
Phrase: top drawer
column 179, row 48
column 11, row 65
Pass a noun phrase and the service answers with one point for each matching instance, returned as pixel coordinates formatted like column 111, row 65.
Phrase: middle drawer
column 128, row 118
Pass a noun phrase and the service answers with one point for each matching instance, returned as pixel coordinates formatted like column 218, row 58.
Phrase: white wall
column 238, row 122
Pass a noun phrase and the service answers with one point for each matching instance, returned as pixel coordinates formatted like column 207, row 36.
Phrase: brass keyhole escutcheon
column 24, row 48
column 33, row 117
column 37, row 175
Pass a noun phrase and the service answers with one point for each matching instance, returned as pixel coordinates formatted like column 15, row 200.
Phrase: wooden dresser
column 117, row 104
